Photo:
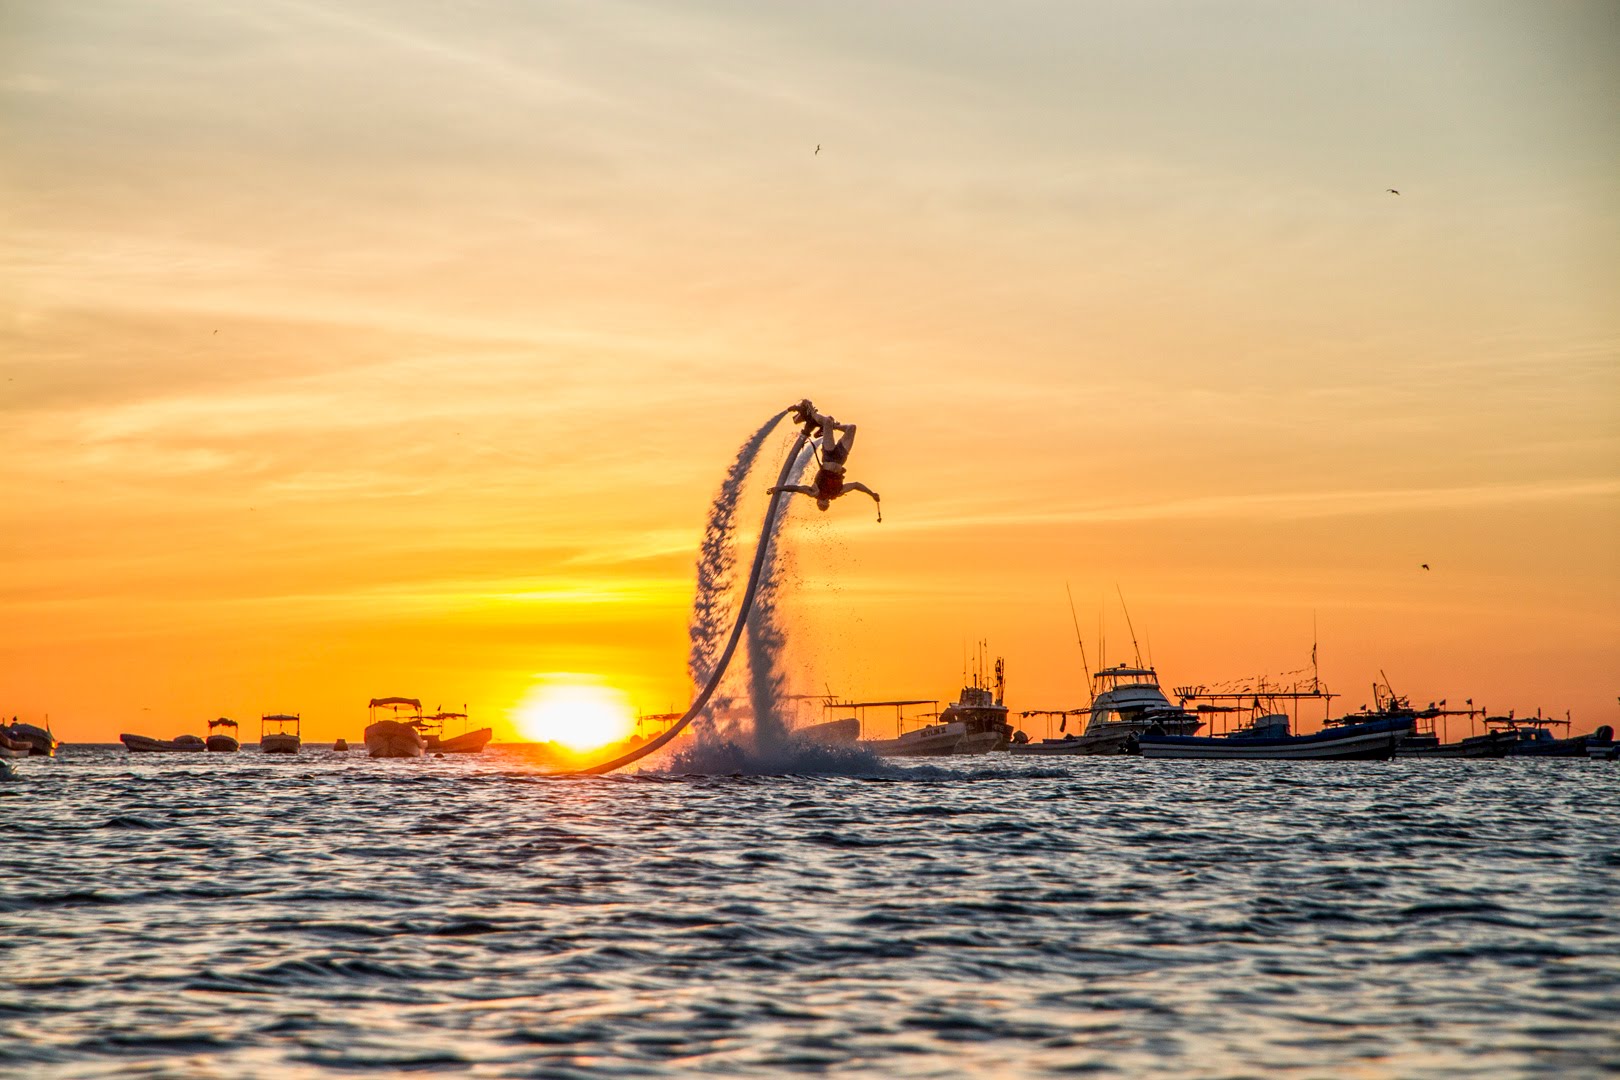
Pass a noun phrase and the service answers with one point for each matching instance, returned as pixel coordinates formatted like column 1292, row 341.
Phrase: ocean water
column 329, row 915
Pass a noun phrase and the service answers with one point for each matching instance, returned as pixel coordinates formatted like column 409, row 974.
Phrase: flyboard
column 788, row 467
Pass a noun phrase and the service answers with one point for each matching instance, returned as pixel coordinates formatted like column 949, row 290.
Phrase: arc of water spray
column 761, row 555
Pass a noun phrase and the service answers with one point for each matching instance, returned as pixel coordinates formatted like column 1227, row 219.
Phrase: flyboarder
column 836, row 441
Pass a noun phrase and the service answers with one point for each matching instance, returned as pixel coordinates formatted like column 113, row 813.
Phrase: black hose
column 736, row 631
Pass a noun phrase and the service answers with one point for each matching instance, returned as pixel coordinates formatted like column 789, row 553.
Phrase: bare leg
column 792, row 489
column 856, row 485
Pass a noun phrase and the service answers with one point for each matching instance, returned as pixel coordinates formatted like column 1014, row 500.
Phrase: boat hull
column 143, row 744
column 279, row 744
column 1603, row 751
column 223, row 744
column 1479, row 746
column 1358, row 742
column 341, row 746
column 470, row 742
column 30, row 741
column 840, row 732
column 392, row 739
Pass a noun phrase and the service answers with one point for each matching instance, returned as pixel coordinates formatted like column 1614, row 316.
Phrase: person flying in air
column 836, row 441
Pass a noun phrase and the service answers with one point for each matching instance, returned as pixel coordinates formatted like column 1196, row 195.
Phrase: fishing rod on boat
column 1135, row 648
column 1085, row 665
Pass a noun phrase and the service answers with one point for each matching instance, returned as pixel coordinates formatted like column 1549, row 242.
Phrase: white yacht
column 1126, row 702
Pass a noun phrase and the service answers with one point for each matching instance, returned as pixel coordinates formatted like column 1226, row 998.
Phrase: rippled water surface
column 237, row 916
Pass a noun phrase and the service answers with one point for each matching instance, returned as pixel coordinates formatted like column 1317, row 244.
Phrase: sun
column 578, row 711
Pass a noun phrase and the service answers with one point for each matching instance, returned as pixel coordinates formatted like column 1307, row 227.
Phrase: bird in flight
column 1425, row 566
column 818, row 149
column 1392, row 191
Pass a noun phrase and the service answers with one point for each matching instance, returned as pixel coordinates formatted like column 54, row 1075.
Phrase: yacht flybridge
column 1126, row 702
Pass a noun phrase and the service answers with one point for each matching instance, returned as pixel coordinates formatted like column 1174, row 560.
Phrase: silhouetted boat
column 181, row 744
column 221, row 741
column 431, row 729
column 1268, row 738
column 840, row 732
column 975, row 723
column 280, row 741
column 341, row 746
column 1600, row 745
column 394, row 738
column 1532, row 739
column 29, row 740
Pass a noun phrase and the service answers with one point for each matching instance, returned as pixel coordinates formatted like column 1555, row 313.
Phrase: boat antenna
column 1085, row 666
column 1137, row 649
column 1316, row 681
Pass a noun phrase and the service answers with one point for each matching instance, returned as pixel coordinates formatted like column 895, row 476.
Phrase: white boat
column 1126, row 702
column 280, row 741
column 222, row 741
column 182, row 744
column 395, row 738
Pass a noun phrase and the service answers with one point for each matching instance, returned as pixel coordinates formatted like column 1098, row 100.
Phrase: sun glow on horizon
column 578, row 711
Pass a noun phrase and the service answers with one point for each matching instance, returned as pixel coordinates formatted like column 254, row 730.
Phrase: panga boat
column 222, row 741
column 28, row 740
column 183, row 744
column 280, row 740
column 394, row 738
column 1126, row 702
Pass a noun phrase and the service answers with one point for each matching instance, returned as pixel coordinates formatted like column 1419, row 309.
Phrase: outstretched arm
column 792, row 489
column 856, row 485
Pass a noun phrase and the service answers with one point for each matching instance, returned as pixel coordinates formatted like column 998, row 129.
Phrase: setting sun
column 578, row 711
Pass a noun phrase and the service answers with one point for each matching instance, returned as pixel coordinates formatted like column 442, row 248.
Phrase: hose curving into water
column 761, row 555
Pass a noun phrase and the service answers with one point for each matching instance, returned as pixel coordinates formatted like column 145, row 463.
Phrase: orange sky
column 369, row 349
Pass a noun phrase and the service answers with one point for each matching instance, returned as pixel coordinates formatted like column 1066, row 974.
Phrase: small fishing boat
column 431, row 729
column 181, row 744
column 1267, row 738
column 341, row 746
column 221, row 741
column 975, row 723
column 280, row 740
column 1531, row 738
column 31, row 739
column 395, row 738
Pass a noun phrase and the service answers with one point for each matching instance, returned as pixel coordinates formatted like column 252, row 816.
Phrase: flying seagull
column 818, row 149
column 1425, row 566
column 1392, row 191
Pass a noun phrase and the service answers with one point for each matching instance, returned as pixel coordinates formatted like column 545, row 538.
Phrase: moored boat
column 30, row 740
column 431, row 729
column 1531, row 738
column 341, row 746
column 1267, row 738
column 222, row 741
column 1600, row 745
column 1126, row 702
column 274, row 738
column 841, row 732
column 395, row 738
column 183, row 744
